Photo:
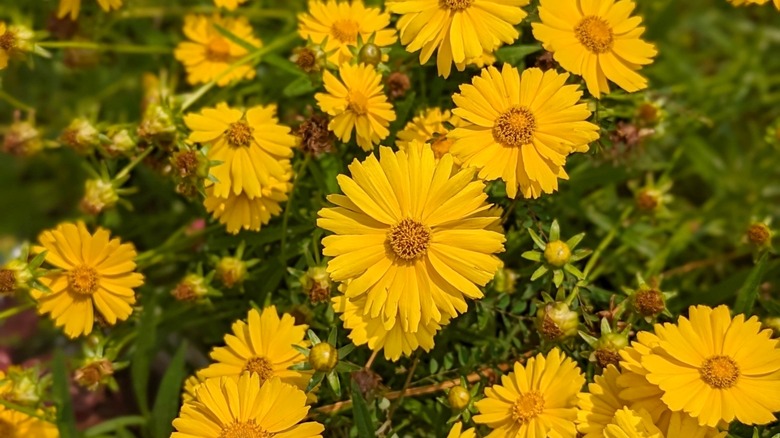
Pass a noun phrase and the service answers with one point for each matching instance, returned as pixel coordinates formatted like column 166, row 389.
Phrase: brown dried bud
column 192, row 287
column 555, row 321
column 759, row 234
column 185, row 163
column 7, row 281
column 94, row 373
column 61, row 28
column 626, row 133
column 306, row 59
column 648, row 200
column 315, row 137
column 545, row 61
column 606, row 357
column 368, row 382
column 398, row 84
column 22, row 139
column 649, row 302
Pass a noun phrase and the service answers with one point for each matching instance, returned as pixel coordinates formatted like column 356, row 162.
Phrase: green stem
column 7, row 313
column 298, row 174
column 606, row 241
column 120, row 48
column 124, row 172
column 14, row 101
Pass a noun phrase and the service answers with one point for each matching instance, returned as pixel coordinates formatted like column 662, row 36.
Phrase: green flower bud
column 323, row 357
column 458, row 398
column 557, row 253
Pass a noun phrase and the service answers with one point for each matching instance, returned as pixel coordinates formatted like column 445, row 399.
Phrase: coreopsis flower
column 413, row 235
column 717, row 368
column 458, row 30
column 430, row 126
column 356, row 102
column 97, row 277
column 598, row 40
column 209, row 54
column 262, row 346
column 191, row 387
column 17, row 424
column 534, row 401
column 458, row 432
column 239, row 212
column 337, row 25
column 230, row 5
column 233, row 407
column 73, row 7
column 632, row 424
column 521, row 129
column 251, row 145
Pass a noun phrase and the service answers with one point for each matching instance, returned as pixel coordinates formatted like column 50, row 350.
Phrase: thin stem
column 119, row 48
column 606, row 241
column 124, row 172
column 389, row 419
column 23, row 409
column 14, row 101
column 371, row 359
column 7, row 313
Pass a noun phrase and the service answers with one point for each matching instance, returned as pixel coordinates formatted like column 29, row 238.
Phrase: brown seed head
column 398, row 84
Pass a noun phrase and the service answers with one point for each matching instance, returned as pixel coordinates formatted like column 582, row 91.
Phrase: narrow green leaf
column 313, row 337
column 537, row 240
column 539, row 272
column 303, row 350
column 746, row 297
column 299, row 87
column 535, row 256
column 235, row 38
column 316, row 379
column 575, row 240
column 66, row 421
column 345, row 350
column 335, row 384
column 333, row 336
column 555, row 231
column 142, row 357
column 283, row 64
column 347, row 367
column 363, row 420
column 113, row 425
column 516, row 54
column 166, row 403
column 571, row 269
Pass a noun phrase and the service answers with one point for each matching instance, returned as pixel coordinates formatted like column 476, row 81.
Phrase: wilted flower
column 556, row 321
column 81, row 136
column 22, row 138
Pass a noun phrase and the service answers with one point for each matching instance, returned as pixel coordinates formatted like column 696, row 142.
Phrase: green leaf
column 142, row 357
column 236, row 39
column 316, row 379
column 516, row 54
column 537, row 240
column 363, row 419
column 66, row 421
column 555, row 231
column 535, row 256
column 283, row 64
column 345, row 350
column 539, row 272
column 313, row 337
column 166, row 403
column 113, row 425
column 347, row 367
column 746, row 297
column 299, row 87
column 335, row 384
column 303, row 350
column 333, row 336
column 574, row 241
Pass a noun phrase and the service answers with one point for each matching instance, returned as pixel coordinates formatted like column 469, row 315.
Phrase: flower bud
column 505, row 281
column 94, row 374
column 398, row 84
column 121, row 144
column 157, row 126
column 648, row 114
column 759, row 234
column 309, row 59
column 649, row 200
column 557, row 253
column 315, row 137
column 80, row 136
column 608, row 347
column 22, row 139
column 370, row 54
column 459, row 398
column 191, row 288
column 316, row 284
column 14, row 276
column 323, row 357
column 555, row 321
column 23, row 386
column 648, row 302
column 99, row 195
column 231, row 271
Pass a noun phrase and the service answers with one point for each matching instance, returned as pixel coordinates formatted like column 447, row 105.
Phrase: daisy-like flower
column 14, row 41
column 717, row 368
column 458, row 30
column 430, row 126
column 356, row 102
column 262, row 346
column 414, row 235
column 17, row 424
column 230, row 5
column 535, row 401
column 208, row 54
column 252, row 146
column 97, row 274
column 73, row 7
column 521, row 129
column 632, row 424
column 338, row 24
column 458, row 432
column 191, row 386
column 596, row 39
column 243, row 407
column 238, row 212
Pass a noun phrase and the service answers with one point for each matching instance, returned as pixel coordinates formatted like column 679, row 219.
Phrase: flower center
column 7, row 40
column 595, row 34
column 260, row 366
column 244, row 429
column 218, row 50
column 345, row 30
column 455, row 5
column 7, row 430
column 409, row 239
column 720, row 372
column 239, row 134
column 357, row 103
column 7, row 281
column 441, row 145
column 83, row 280
column 527, row 407
column 515, row 127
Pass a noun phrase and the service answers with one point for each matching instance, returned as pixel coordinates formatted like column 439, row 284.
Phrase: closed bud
column 14, row 276
column 94, row 374
column 459, row 398
column 759, row 234
column 316, row 284
column 121, row 144
column 557, row 253
column 370, row 54
column 649, row 200
column 607, row 349
column 309, row 59
column 191, row 288
column 323, row 357
column 80, row 136
column 398, row 84
column 505, row 281
column 23, row 386
column 99, row 195
column 555, row 321
column 231, row 271
column 648, row 302
column 157, row 126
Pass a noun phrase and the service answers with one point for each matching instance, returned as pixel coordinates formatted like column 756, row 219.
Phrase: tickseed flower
column 230, row 5
column 262, row 346
column 597, row 40
column 356, row 102
column 251, row 145
column 416, row 243
column 556, row 255
column 17, row 424
column 97, row 278
column 458, row 30
column 431, row 126
column 238, row 212
column 337, row 25
column 209, row 54
column 717, row 368
column 632, row 424
column 520, row 129
column 458, row 432
column 72, row 7
column 244, row 407
column 534, row 401
column 191, row 387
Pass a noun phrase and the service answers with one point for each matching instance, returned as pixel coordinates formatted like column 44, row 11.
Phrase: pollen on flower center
column 527, row 407
column 7, row 281
column 515, row 127
column 409, row 239
column 358, row 103
column 595, row 34
column 260, row 366
column 83, row 280
column 218, row 50
column 456, row 5
column 345, row 30
column 719, row 372
column 244, row 429
column 7, row 40
column 239, row 134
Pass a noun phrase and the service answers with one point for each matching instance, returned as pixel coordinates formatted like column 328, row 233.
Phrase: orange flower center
column 455, row 5
column 7, row 430
column 527, row 407
column 239, row 134
column 357, row 103
column 720, row 372
column 218, row 50
column 260, row 366
column 345, row 30
column 7, row 40
column 244, row 429
column 409, row 239
column 595, row 34
column 7, row 281
column 441, row 145
column 83, row 280
column 515, row 127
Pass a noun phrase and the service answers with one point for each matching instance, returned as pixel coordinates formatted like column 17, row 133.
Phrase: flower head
column 431, row 126
column 17, row 424
column 239, row 212
column 14, row 40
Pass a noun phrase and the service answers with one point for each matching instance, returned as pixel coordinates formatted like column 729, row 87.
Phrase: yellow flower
column 358, row 102
column 717, row 368
column 96, row 274
column 14, row 40
column 233, row 407
column 341, row 22
column 209, row 54
column 239, row 211
column 632, row 424
column 413, row 235
column 262, row 346
column 230, row 5
column 191, row 386
column 458, row 432
column 430, row 126
column 72, row 7
column 458, row 30
column 251, row 145
column 17, row 424
column 754, row 2
column 535, row 401
column 520, row 129
column 596, row 39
